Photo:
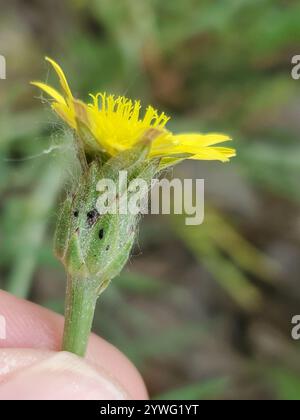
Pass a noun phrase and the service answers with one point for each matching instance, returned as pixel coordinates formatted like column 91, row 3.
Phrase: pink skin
column 31, row 366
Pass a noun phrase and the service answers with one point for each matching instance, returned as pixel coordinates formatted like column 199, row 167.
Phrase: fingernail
column 62, row 376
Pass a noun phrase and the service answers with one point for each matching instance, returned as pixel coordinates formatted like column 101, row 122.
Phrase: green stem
column 79, row 313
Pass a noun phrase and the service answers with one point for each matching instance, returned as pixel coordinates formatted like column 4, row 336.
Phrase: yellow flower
column 115, row 124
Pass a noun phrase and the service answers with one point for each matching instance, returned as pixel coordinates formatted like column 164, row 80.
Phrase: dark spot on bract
column 101, row 233
column 107, row 248
column 92, row 217
column 76, row 213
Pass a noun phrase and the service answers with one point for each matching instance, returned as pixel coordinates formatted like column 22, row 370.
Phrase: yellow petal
column 50, row 91
column 81, row 111
column 62, row 78
column 200, row 139
column 64, row 112
column 196, row 145
column 215, row 153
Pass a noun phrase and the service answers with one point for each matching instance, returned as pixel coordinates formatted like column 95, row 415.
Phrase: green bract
column 94, row 247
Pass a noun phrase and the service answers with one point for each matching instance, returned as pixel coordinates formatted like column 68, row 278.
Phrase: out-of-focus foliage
column 195, row 305
column 202, row 391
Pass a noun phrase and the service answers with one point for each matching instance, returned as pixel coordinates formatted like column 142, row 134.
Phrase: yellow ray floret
column 117, row 123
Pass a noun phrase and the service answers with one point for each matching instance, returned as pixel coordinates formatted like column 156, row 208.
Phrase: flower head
column 116, row 124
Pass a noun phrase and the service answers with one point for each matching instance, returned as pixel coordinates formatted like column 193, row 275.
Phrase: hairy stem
column 80, row 305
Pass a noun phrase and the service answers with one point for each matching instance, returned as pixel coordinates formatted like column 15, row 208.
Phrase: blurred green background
column 204, row 312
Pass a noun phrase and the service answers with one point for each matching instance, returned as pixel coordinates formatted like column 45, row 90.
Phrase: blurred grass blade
column 242, row 252
column 138, row 283
column 210, row 389
column 286, row 384
column 37, row 209
column 228, row 275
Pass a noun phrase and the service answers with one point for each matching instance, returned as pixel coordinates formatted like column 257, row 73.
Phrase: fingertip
column 58, row 376
column 33, row 327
